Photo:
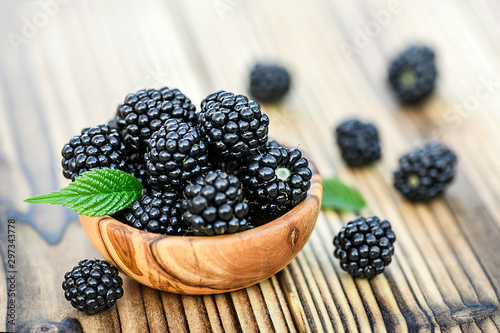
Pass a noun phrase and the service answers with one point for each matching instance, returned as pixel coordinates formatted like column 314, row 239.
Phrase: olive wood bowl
column 207, row 264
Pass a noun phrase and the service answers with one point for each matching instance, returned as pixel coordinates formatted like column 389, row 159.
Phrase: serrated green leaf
column 95, row 193
column 339, row 196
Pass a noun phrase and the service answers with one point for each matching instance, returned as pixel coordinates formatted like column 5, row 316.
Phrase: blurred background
column 67, row 64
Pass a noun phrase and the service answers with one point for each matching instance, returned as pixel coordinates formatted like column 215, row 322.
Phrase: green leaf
column 96, row 192
column 339, row 196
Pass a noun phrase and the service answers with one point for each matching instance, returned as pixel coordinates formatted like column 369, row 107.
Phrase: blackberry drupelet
column 214, row 204
column 276, row 181
column 95, row 148
column 92, row 286
column 233, row 166
column 365, row 246
column 157, row 212
column 143, row 113
column 358, row 142
column 273, row 144
column 112, row 123
column 138, row 170
column 413, row 73
column 232, row 125
column 175, row 155
column 269, row 82
column 425, row 171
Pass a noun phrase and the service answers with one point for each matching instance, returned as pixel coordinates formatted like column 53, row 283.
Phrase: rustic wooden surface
column 73, row 68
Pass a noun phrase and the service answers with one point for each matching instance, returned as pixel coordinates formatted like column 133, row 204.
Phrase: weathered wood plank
column 77, row 67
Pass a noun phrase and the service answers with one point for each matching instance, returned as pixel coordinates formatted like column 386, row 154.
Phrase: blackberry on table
column 214, row 204
column 358, row 142
column 365, row 246
column 95, row 148
column 233, row 126
column 424, row 172
column 276, row 181
column 413, row 73
column 269, row 82
column 143, row 113
column 92, row 286
column 175, row 155
column 157, row 212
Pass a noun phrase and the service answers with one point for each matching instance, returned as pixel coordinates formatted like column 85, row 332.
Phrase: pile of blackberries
column 204, row 173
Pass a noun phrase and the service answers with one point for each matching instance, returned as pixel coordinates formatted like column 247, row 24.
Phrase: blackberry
column 143, row 113
column 365, row 246
column 425, row 171
column 95, row 148
column 92, row 286
column 413, row 73
column 358, row 142
column 158, row 212
column 214, row 204
column 269, row 82
column 233, row 126
column 276, row 181
column 175, row 155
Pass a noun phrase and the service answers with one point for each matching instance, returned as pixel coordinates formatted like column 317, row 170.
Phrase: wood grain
column 72, row 70
column 207, row 265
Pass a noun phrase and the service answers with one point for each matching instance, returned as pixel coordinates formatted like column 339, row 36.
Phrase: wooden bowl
column 202, row 264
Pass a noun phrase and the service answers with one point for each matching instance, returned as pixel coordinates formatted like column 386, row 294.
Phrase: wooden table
column 67, row 64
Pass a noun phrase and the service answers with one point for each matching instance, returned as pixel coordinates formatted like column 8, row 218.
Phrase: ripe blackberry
column 269, row 82
column 276, row 181
column 158, row 212
column 214, row 204
column 175, row 155
column 365, row 246
column 232, row 125
column 358, row 142
column 413, row 73
column 92, row 286
column 425, row 171
column 143, row 113
column 95, row 148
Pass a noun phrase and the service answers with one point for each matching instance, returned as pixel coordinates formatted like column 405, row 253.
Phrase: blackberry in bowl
column 205, row 177
column 207, row 264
